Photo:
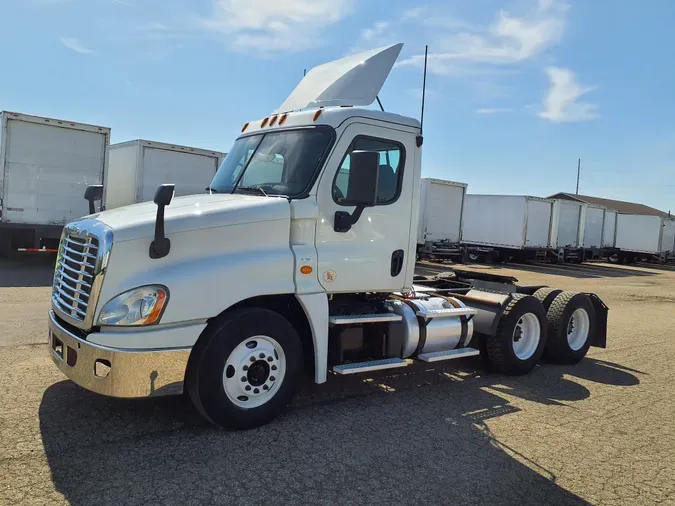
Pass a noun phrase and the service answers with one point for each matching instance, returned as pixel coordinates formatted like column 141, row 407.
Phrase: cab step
column 373, row 365
column 437, row 356
column 350, row 319
column 447, row 312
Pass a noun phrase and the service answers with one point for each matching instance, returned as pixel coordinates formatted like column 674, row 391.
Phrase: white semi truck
column 232, row 296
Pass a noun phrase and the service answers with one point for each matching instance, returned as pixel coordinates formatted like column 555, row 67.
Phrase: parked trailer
column 593, row 218
column 439, row 228
column 567, row 230
column 138, row 167
column 45, row 166
column 503, row 226
column 609, row 230
column 641, row 236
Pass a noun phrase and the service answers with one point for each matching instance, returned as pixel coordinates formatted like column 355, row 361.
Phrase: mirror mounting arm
column 343, row 220
column 160, row 247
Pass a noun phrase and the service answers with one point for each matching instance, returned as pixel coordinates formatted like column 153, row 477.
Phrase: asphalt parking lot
column 600, row 432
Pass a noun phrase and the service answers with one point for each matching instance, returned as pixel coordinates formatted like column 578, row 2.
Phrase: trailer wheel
column 546, row 296
column 571, row 323
column 520, row 339
column 247, row 370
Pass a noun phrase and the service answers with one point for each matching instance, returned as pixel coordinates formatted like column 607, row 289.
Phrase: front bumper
column 117, row 372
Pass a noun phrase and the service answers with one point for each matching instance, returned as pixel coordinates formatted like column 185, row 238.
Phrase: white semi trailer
column 644, row 237
column 567, row 230
column 45, row 166
column 501, row 227
column 232, row 295
column 439, row 228
column 137, row 168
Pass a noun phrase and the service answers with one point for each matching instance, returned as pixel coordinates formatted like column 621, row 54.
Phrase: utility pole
column 578, row 173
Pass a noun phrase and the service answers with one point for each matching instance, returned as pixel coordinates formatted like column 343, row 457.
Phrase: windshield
column 276, row 163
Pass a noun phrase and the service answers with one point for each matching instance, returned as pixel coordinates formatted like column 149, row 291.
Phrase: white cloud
column 493, row 110
column 377, row 31
column 74, row 45
column 561, row 102
column 272, row 26
column 509, row 40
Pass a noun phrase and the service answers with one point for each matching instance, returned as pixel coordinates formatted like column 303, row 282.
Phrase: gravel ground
column 600, row 432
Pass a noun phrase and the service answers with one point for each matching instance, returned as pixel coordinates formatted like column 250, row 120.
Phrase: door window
column 392, row 159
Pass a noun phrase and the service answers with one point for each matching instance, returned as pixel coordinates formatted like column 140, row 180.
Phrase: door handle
column 397, row 262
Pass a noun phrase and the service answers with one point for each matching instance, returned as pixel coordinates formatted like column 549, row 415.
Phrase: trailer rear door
column 444, row 211
column 668, row 236
column 190, row 172
column 568, row 224
column 47, row 171
column 593, row 222
column 538, row 223
column 609, row 230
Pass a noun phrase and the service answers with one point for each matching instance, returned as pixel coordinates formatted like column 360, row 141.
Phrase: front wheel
column 520, row 339
column 247, row 370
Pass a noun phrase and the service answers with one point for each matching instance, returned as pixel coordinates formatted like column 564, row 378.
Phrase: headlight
column 141, row 306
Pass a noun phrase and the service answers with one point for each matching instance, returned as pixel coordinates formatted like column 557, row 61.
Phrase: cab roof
column 333, row 116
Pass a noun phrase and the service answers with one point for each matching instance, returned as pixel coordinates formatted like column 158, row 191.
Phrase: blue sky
column 517, row 91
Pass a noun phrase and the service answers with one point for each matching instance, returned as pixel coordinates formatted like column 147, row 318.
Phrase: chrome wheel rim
column 526, row 336
column 254, row 371
column 578, row 329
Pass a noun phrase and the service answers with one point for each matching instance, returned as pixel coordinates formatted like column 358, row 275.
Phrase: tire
column 546, row 296
column 524, row 322
column 570, row 331
column 222, row 386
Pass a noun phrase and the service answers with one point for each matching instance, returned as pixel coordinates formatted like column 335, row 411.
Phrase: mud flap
column 601, row 310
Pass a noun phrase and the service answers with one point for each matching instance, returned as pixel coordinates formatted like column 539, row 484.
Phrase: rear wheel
column 520, row 339
column 546, row 296
column 571, row 321
column 247, row 371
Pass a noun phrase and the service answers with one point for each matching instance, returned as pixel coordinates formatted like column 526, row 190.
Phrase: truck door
column 372, row 255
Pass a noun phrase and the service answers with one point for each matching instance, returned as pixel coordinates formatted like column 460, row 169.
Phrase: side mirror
column 364, row 171
column 164, row 194
column 93, row 193
column 160, row 247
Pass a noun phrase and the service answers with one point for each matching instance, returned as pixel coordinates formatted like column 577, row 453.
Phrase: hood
column 193, row 212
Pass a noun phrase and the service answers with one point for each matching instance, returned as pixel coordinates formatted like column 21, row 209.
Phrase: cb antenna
column 424, row 87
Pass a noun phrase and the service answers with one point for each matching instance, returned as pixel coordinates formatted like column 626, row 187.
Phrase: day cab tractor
column 299, row 259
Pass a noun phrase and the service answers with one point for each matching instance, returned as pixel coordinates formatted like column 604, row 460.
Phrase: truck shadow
column 421, row 436
column 27, row 271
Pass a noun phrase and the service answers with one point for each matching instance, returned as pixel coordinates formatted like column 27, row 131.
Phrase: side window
column 392, row 160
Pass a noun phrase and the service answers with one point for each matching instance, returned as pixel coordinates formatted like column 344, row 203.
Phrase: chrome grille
column 75, row 273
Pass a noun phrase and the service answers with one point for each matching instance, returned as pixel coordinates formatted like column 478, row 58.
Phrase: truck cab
column 299, row 260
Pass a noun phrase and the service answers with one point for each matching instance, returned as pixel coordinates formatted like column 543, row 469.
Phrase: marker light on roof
column 244, row 127
column 282, row 119
column 264, row 122
column 273, row 120
column 317, row 114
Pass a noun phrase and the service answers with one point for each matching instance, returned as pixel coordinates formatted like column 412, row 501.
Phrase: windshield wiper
column 209, row 189
column 253, row 188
